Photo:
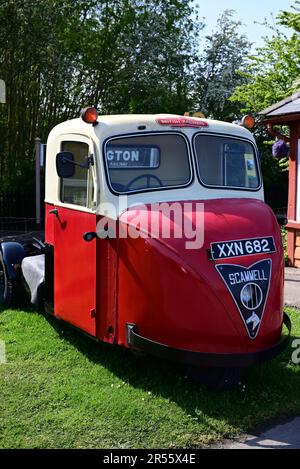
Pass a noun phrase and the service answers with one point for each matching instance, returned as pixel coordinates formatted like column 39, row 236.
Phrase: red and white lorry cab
column 157, row 238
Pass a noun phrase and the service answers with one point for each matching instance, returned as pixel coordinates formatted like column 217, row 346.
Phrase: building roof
column 287, row 106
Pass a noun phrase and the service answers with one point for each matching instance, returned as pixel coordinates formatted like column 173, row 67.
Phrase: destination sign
column 132, row 157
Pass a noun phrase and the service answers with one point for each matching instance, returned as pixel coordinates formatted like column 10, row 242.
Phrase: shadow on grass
column 268, row 391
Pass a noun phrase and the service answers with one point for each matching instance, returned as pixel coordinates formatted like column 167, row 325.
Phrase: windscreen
column 147, row 162
column 226, row 162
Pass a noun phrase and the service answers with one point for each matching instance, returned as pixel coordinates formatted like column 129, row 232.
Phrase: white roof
column 110, row 126
column 122, row 123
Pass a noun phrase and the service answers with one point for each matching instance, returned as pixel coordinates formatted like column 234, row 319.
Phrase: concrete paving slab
column 281, row 436
column 292, row 287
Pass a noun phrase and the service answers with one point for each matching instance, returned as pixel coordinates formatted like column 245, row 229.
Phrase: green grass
column 59, row 389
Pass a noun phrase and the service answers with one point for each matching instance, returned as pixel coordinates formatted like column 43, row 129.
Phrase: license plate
column 242, row 247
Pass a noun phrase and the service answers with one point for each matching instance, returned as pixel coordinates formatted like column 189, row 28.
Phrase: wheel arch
column 12, row 254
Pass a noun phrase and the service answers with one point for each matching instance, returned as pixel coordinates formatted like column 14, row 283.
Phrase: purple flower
column 280, row 149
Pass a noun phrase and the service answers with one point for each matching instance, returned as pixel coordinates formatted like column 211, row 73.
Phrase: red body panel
column 173, row 295
column 85, row 273
column 75, row 269
column 106, row 289
column 176, row 297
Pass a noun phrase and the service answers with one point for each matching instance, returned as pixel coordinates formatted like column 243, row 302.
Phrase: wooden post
column 292, row 194
column 37, row 181
column 2, row 92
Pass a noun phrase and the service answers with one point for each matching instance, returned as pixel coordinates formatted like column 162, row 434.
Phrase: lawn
column 59, row 389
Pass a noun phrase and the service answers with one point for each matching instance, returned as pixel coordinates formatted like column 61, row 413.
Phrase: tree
column 291, row 19
column 156, row 44
column 218, row 73
column 273, row 71
column 272, row 75
column 56, row 56
column 29, row 43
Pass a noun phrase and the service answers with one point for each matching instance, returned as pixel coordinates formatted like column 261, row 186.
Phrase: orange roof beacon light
column 89, row 115
column 248, row 121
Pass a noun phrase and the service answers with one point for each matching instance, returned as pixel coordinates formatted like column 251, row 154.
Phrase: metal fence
column 17, row 211
column 277, row 197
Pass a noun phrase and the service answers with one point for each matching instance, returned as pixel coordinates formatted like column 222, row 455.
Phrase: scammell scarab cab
column 157, row 238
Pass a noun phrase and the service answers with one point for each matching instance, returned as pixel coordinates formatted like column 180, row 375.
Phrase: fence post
column 37, row 181
column 2, row 92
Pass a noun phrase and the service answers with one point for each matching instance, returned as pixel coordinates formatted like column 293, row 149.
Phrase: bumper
column 136, row 341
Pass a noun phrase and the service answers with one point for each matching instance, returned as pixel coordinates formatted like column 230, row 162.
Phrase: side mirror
column 65, row 166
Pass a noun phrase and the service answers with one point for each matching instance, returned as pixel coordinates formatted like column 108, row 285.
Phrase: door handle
column 54, row 211
column 106, row 232
column 89, row 236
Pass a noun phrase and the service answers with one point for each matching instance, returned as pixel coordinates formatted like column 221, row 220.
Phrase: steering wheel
column 148, row 178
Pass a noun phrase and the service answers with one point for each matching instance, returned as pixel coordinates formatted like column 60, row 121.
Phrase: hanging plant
column 280, row 149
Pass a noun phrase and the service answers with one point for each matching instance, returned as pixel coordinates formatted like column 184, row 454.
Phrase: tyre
column 8, row 288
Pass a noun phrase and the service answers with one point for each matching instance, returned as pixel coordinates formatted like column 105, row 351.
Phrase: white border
column 241, row 255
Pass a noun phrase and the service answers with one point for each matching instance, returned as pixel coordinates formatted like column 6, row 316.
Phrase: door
column 74, row 258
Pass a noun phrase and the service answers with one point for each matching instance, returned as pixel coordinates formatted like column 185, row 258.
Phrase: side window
column 78, row 189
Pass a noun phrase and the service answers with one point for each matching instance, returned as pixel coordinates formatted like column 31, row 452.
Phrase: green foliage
column 284, row 242
column 155, row 51
column 291, row 19
column 60, row 389
column 273, row 73
column 275, row 175
column 274, row 70
column 56, row 56
column 28, row 48
column 128, row 56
